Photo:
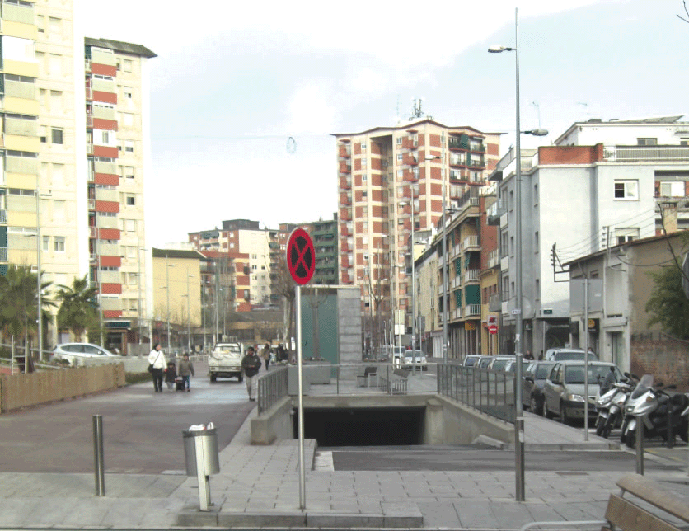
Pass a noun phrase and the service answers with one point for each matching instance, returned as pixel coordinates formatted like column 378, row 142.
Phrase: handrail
column 271, row 388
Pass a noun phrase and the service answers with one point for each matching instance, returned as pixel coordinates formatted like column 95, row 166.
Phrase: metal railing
column 272, row 387
column 491, row 392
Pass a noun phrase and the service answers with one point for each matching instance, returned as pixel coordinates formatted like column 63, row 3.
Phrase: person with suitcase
column 186, row 371
column 170, row 374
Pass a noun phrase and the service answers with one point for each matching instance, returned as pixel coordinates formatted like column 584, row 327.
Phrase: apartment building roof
column 411, row 125
column 657, row 120
column 175, row 253
column 634, row 243
column 120, row 46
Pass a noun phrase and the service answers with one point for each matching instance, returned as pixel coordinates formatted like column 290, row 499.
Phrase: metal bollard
column 670, row 433
column 98, row 454
column 640, row 446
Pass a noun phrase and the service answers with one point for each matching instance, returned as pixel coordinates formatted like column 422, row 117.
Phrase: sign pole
column 300, row 407
column 301, row 262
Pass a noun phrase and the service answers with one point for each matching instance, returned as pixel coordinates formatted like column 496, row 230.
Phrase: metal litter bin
column 208, row 442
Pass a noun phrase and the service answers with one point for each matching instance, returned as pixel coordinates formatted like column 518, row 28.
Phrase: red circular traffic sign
column 493, row 329
column 301, row 256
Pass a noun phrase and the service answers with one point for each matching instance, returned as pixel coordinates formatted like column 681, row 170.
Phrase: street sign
column 516, row 311
column 493, row 329
column 301, row 256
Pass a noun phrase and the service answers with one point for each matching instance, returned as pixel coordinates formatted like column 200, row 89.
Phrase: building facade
column 386, row 176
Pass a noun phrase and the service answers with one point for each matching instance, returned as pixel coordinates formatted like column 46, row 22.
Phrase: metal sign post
column 301, row 262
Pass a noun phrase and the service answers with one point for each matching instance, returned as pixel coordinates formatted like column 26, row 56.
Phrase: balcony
column 505, row 263
column 493, row 260
column 3, row 254
column 456, row 313
column 3, row 216
column 473, row 310
column 345, row 183
column 470, row 243
column 646, row 153
column 471, row 275
column 494, row 212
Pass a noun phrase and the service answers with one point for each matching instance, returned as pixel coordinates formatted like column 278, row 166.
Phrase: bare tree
column 686, row 11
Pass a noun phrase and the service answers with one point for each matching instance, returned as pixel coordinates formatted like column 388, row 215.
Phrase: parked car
column 74, row 353
column 414, row 359
column 564, row 388
column 470, row 360
column 563, row 354
column 483, row 362
column 532, row 385
column 499, row 363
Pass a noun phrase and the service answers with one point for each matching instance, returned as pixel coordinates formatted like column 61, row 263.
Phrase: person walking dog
column 157, row 361
column 251, row 364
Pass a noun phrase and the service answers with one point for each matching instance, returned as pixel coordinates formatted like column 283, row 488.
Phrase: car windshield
column 499, row 365
column 227, row 349
column 573, row 355
column 469, row 362
column 542, row 370
column 484, row 362
column 575, row 374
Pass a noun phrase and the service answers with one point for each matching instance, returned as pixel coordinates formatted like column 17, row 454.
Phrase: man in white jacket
column 157, row 359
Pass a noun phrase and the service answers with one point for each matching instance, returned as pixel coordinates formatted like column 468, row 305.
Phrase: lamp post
column 413, row 276
column 167, row 293
column 518, row 310
column 38, row 272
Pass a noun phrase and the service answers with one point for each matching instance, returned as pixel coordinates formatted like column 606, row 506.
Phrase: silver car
column 564, row 388
column 74, row 353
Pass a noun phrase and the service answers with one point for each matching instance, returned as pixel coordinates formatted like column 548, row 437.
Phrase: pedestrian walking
column 186, row 371
column 251, row 364
column 265, row 354
column 157, row 362
column 170, row 374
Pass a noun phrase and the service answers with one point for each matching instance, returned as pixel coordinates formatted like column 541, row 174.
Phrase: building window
column 127, row 65
column 647, row 141
column 129, row 146
column 59, row 244
column 627, row 190
column 55, row 25
column 57, row 135
column 129, row 199
column 46, row 244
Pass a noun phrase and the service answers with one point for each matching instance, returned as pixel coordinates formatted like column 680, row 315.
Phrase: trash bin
column 209, row 442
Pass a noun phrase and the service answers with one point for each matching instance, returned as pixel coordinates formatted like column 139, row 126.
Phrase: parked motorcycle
column 650, row 408
column 611, row 405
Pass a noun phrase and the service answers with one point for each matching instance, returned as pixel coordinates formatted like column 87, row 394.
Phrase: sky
column 234, row 82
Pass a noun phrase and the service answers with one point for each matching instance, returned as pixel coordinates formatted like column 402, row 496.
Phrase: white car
column 414, row 360
column 74, row 353
column 225, row 361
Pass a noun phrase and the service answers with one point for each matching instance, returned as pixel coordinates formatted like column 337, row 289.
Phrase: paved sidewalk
column 259, row 486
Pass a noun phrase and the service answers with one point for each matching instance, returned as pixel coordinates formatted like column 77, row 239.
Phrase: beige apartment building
column 71, row 192
column 387, row 175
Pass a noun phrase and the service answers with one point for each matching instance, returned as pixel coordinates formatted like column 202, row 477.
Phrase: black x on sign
column 301, row 257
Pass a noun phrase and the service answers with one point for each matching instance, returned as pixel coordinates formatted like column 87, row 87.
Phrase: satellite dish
column 685, row 275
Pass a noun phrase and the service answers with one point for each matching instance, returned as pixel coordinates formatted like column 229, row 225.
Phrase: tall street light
column 518, row 342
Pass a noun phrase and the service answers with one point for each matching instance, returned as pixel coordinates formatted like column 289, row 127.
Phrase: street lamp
column 413, row 277
column 167, row 293
column 518, row 342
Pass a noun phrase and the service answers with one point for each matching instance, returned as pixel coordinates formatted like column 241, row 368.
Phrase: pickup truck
column 225, row 361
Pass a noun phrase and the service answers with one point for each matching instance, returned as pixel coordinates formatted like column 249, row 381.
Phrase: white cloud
column 312, row 108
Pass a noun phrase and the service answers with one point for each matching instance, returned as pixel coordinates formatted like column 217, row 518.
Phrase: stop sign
column 493, row 329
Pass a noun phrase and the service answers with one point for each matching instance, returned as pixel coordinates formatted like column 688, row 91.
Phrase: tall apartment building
column 57, row 179
column 117, row 129
column 385, row 174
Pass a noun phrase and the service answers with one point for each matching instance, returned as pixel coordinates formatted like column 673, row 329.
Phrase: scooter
column 611, row 404
column 650, row 408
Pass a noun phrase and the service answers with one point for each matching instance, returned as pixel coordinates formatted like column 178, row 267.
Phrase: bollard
column 670, row 434
column 98, row 454
column 640, row 446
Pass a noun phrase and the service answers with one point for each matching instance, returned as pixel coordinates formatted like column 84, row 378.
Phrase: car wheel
column 563, row 415
column 548, row 414
column 240, row 378
column 536, row 409
column 213, row 378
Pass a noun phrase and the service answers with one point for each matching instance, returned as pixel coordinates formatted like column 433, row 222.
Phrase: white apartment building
column 582, row 199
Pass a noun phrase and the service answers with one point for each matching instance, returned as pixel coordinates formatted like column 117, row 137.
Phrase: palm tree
column 18, row 301
column 78, row 310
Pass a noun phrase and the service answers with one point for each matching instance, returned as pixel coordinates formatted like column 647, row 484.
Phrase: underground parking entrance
column 363, row 426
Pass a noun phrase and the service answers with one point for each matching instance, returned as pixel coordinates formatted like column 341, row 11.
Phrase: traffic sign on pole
column 301, row 256
column 493, row 329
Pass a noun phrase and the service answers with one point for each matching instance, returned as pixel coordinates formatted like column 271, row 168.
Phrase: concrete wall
column 22, row 390
column 273, row 424
column 445, row 421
